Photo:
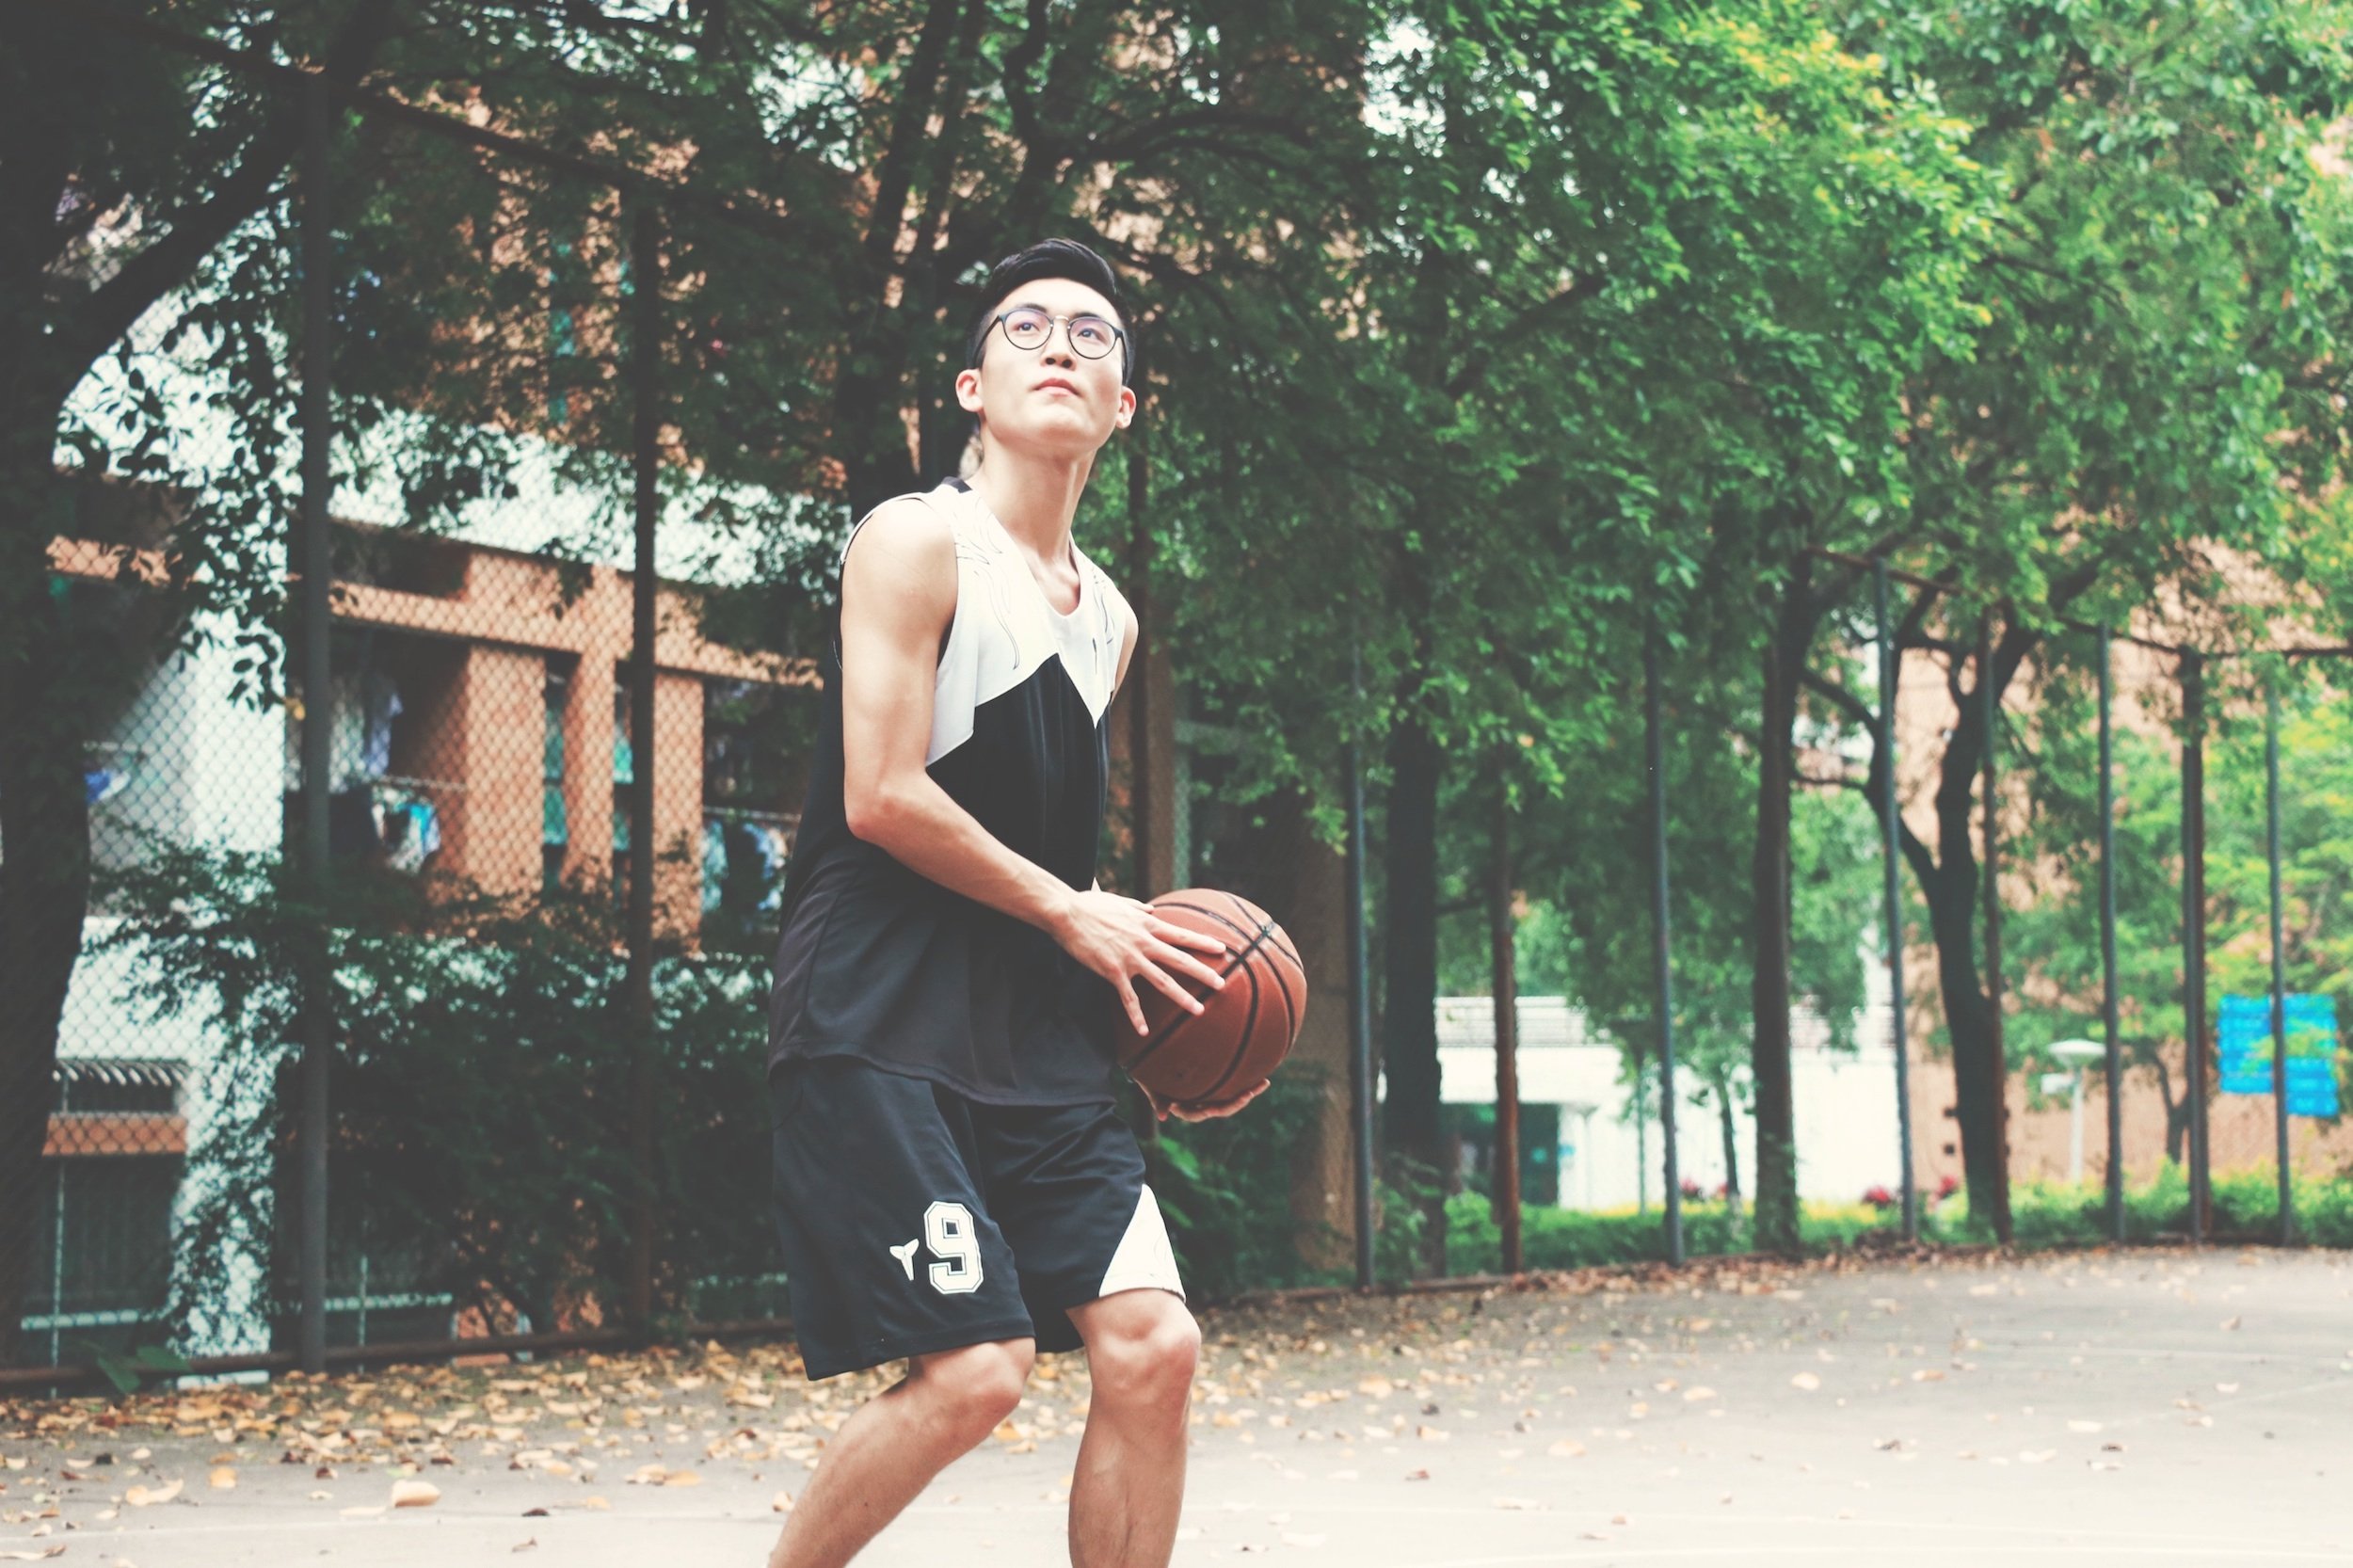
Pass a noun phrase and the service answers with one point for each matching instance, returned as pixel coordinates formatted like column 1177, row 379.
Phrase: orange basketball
column 1244, row 1030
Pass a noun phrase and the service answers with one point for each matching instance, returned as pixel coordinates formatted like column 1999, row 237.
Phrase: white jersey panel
column 1004, row 631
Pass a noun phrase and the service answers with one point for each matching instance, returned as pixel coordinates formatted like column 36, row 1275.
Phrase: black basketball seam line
column 1183, row 1017
column 1249, row 1024
column 1250, row 1021
column 1291, row 1009
column 1264, row 932
column 1287, row 951
column 1271, row 925
column 1240, row 958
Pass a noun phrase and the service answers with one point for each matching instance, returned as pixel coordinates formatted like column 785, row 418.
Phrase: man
column 952, row 1187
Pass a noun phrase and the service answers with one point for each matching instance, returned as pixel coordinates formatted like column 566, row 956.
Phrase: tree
column 852, row 225
column 1589, row 937
column 2057, row 944
column 2155, row 382
column 1624, row 277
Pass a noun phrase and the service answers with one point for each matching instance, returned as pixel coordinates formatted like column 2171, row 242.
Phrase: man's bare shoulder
column 906, row 529
column 904, row 550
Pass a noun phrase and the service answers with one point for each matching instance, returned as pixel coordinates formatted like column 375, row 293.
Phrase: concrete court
column 2143, row 1407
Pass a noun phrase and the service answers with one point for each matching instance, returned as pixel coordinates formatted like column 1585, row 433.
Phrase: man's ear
column 1127, row 408
column 969, row 391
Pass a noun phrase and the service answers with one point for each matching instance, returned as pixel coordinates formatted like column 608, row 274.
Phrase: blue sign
column 2246, row 1049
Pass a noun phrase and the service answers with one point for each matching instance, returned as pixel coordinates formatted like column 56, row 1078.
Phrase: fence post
column 1505, row 996
column 1891, row 863
column 645, row 419
column 2108, row 941
column 314, row 558
column 1359, row 994
column 1997, row 1062
column 1662, row 968
column 2194, row 937
column 2278, row 960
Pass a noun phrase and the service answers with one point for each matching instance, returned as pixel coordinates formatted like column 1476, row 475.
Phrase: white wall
column 1844, row 1106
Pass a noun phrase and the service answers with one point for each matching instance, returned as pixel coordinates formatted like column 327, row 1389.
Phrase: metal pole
column 316, row 559
column 1891, row 857
column 1359, row 1000
column 1662, row 968
column 2194, row 936
column 645, row 384
column 1998, row 1059
column 1504, row 990
column 2107, row 947
column 2278, row 960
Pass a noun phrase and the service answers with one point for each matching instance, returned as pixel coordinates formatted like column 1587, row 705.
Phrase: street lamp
column 2076, row 1054
column 1583, row 1110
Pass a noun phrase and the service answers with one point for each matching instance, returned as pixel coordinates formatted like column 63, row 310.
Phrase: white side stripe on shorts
column 1144, row 1261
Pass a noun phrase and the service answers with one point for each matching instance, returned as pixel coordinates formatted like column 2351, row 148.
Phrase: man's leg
column 896, row 1443
column 1142, row 1348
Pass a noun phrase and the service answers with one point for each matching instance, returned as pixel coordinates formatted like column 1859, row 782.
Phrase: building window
column 554, row 822
column 757, row 743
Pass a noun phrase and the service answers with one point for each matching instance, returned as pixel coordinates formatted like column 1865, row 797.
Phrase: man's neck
column 1033, row 497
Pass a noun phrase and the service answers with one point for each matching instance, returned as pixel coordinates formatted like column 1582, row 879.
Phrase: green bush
column 1226, row 1188
column 482, row 1091
column 1580, row 1239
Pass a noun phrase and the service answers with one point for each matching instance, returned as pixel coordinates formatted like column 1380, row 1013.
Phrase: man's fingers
column 1178, row 936
column 1172, row 986
column 1175, row 958
column 1135, row 1008
column 1225, row 1107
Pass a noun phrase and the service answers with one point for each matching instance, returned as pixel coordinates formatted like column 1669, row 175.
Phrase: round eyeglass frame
column 1119, row 335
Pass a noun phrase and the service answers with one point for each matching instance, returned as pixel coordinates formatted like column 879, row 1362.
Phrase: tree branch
column 1529, row 322
column 107, row 313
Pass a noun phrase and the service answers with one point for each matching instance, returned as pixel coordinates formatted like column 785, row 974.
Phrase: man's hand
column 1123, row 940
column 1163, row 1110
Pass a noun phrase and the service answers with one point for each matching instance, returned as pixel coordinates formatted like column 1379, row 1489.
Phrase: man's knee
column 1147, row 1351
column 978, row 1385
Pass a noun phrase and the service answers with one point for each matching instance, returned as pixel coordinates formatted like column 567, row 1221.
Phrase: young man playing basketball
column 952, row 1185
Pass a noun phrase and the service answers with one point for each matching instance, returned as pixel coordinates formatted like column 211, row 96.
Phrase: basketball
column 1245, row 1029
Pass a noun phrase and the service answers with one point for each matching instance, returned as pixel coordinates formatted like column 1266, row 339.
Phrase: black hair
column 1055, row 258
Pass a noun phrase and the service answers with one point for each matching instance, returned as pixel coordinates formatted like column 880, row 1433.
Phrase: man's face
column 1052, row 398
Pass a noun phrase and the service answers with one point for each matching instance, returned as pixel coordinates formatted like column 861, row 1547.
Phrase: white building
column 1609, row 1158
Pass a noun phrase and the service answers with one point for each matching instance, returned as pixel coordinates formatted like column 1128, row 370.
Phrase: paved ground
column 2136, row 1408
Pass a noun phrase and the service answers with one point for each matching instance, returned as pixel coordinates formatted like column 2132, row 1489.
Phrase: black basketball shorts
column 913, row 1220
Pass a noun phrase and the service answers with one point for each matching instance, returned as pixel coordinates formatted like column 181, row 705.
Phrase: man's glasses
column 1027, row 327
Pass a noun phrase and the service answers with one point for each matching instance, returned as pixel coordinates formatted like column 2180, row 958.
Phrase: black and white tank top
column 880, row 964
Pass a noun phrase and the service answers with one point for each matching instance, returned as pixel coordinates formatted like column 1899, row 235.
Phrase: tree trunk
column 44, row 871
column 1732, row 1150
column 1409, row 1025
column 1768, row 1053
column 1952, row 892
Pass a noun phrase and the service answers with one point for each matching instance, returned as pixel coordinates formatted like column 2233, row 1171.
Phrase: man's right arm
column 898, row 598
